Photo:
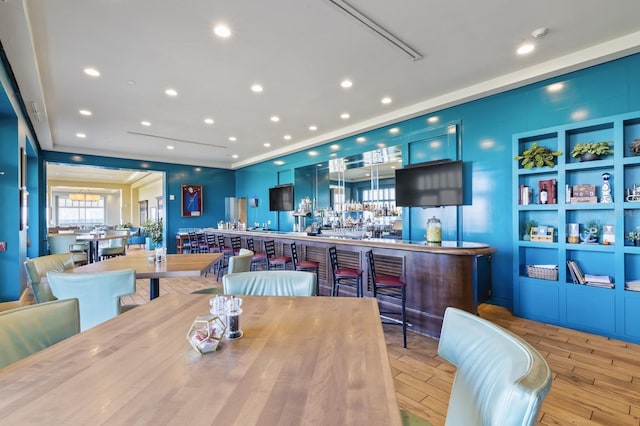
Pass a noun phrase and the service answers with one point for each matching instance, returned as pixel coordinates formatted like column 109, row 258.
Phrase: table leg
column 154, row 288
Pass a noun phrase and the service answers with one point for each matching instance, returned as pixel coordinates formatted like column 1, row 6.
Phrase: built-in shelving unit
column 612, row 311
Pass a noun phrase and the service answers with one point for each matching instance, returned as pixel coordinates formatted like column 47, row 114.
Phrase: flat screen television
column 431, row 184
column 281, row 198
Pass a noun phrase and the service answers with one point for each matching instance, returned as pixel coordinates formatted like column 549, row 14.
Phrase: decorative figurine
column 606, row 189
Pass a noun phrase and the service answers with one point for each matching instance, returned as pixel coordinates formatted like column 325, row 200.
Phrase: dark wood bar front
column 455, row 273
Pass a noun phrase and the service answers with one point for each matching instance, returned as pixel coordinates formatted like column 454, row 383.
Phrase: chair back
column 236, row 243
column 37, row 269
column 220, row 241
column 500, row 379
column 372, row 271
column 60, row 243
column 250, row 245
column 117, row 242
column 270, row 283
column 294, row 254
column 29, row 329
column 270, row 249
column 210, row 237
column 241, row 262
column 333, row 258
column 97, row 292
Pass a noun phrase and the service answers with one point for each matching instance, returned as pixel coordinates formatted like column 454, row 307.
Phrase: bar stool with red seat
column 350, row 277
column 258, row 258
column 273, row 261
column 305, row 265
column 391, row 286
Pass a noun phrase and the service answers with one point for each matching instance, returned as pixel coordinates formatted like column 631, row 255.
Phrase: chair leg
column 404, row 316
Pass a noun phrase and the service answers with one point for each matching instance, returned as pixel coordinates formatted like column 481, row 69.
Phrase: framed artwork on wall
column 191, row 200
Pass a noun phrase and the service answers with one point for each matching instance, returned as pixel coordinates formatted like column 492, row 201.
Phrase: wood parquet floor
column 596, row 380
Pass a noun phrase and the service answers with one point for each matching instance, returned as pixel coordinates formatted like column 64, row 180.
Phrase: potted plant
column 537, row 156
column 153, row 231
column 634, row 236
column 634, row 146
column 592, row 150
column 528, row 226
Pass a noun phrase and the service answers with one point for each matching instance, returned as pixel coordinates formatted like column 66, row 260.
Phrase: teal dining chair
column 270, row 283
column 97, row 292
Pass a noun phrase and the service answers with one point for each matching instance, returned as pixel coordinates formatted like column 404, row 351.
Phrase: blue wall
column 485, row 129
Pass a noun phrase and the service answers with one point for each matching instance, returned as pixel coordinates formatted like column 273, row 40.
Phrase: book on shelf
column 633, row 285
column 604, row 279
column 576, row 272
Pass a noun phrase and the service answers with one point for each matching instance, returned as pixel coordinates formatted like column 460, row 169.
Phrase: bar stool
column 349, row 277
column 273, row 261
column 305, row 265
column 391, row 286
column 236, row 245
column 210, row 237
column 258, row 258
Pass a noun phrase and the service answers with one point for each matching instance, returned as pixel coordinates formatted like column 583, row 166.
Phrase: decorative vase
column 589, row 157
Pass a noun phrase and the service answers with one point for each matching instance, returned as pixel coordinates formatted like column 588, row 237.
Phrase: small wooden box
column 542, row 235
column 580, row 191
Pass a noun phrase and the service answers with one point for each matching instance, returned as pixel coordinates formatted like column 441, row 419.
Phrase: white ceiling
column 298, row 50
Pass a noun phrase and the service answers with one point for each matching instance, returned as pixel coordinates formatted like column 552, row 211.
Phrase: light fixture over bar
column 373, row 26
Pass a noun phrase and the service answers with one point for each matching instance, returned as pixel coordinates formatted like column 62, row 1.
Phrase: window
column 80, row 213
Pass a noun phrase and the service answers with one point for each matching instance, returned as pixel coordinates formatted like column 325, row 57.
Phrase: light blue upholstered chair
column 239, row 263
column 98, row 292
column 500, row 379
column 270, row 283
column 116, row 246
column 66, row 243
column 29, row 329
column 37, row 269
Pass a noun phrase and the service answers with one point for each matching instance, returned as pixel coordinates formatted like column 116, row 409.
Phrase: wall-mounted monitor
column 431, row 184
column 281, row 198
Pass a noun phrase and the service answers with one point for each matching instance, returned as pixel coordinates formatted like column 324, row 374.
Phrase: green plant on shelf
column 537, row 156
column 528, row 226
column 633, row 236
column 597, row 149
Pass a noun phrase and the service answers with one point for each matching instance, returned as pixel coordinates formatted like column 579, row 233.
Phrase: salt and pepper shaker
column 233, row 317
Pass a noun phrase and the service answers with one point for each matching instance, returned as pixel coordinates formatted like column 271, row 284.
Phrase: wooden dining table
column 301, row 361
column 174, row 265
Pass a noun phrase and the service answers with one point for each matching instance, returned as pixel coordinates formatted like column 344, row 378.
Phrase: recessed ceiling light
column 452, row 129
column 361, row 139
column 333, row 154
column 275, row 118
column 555, row 87
column 92, row 72
column 319, row 165
column 382, row 145
column 131, row 82
column 386, row 100
column 433, row 119
column 313, row 128
column 345, row 116
column 81, row 135
column 169, row 147
column 232, row 138
column 197, row 169
column 146, row 123
column 256, row 88
column 234, row 156
column 335, row 147
column 394, row 130
column 278, row 162
column 287, row 137
column 222, row 31
column 85, row 112
column 313, row 153
column 345, row 84
column 171, row 92
column 525, row 48
column 266, row 144
column 208, row 120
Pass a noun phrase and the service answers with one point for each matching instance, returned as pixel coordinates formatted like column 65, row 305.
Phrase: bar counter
column 455, row 273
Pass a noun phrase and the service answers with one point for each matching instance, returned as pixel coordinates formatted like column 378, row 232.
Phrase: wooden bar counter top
column 455, row 273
